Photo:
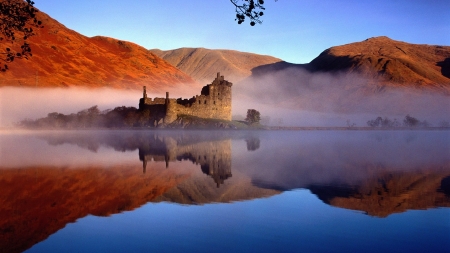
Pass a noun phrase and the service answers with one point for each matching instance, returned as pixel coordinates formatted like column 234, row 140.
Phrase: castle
column 214, row 102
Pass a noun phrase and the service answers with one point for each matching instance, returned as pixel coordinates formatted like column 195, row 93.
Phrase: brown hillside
column 381, row 61
column 202, row 63
column 395, row 62
column 64, row 58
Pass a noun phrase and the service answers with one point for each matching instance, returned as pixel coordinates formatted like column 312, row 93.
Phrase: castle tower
column 220, row 93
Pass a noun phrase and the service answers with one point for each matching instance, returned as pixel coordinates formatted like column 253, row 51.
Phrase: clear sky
column 293, row 30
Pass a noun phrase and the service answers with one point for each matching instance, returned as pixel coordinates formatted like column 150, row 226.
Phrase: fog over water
column 20, row 103
column 289, row 97
column 311, row 99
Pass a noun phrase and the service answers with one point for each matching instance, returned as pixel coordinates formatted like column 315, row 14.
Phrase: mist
column 17, row 104
column 289, row 97
column 302, row 98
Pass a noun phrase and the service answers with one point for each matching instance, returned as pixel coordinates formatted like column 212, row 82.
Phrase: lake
column 225, row 191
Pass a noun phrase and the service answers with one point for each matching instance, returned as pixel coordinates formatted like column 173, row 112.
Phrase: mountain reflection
column 40, row 197
column 376, row 172
column 44, row 187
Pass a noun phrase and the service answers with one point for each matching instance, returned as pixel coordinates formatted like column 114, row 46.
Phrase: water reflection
column 213, row 156
column 103, row 173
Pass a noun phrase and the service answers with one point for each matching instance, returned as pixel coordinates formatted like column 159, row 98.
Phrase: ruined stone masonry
column 214, row 102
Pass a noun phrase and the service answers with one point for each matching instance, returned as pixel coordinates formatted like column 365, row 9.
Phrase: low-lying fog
column 286, row 159
column 289, row 97
column 324, row 99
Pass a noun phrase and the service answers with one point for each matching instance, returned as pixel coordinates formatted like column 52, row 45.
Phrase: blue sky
column 293, row 30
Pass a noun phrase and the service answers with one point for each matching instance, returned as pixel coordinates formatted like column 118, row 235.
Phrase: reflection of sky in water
column 294, row 221
column 382, row 173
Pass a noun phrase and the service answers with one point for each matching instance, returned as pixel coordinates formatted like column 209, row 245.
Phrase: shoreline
column 265, row 128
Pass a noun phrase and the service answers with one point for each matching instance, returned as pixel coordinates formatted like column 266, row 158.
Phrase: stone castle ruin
column 214, row 102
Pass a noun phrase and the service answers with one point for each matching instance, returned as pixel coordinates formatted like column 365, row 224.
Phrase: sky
column 293, row 30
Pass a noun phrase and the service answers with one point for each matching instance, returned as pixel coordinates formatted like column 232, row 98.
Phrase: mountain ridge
column 202, row 63
column 65, row 58
column 381, row 61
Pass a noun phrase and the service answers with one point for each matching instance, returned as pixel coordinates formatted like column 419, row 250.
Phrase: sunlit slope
column 378, row 61
column 395, row 62
column 202, row 63
column 65, row 58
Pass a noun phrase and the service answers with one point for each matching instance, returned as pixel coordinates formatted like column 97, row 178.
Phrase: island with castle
column 214, row 102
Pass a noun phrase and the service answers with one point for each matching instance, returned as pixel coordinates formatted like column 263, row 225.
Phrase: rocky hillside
column 201, row 63
column 65, row 58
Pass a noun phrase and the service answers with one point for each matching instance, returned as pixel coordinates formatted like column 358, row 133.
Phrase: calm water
column 192, row 191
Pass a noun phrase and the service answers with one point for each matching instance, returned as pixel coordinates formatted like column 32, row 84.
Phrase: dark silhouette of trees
column 444, row 123
column 92, row 118
column 253, row 116
column 383, row 122
column 17, row 19
column 408, row 121
column 251, row 9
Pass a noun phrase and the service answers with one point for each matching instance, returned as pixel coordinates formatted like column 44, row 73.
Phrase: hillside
column 65, row 58
column 381, row 61
column 395, row 62
column 202, row 63
column 377, row 76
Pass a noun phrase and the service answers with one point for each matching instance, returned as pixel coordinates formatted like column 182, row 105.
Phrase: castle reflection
column 214, row 156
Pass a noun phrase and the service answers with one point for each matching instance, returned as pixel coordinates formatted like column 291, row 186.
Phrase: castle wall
column 213, row 103
column 212, row 106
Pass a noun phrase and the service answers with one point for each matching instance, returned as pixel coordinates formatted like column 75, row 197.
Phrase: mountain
column 202, row 63
column 395, row 62
column 65, row 58
column 378, row 76
column 381, row 61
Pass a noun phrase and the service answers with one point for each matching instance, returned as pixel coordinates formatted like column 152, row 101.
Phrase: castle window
column 214, row 102
column 199, row 102
column 205, row 102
